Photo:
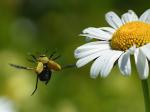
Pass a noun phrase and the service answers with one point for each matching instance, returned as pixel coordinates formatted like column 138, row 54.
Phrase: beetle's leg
column 36, row 85
column 32, row 61
column 56, row 57
column 21, row 67
column 52, row 54
column 45, row 51
column 46, row 82
column 69, row 66
column 33, row 56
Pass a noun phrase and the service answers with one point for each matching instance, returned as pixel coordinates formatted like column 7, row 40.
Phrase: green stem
column 146, row 95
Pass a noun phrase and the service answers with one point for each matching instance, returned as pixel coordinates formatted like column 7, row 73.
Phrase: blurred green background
column 30, row 26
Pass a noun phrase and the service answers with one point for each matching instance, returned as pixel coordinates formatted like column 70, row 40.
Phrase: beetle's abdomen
column 45, row 75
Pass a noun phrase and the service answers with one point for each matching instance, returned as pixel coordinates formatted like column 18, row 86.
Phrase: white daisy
column 6, row 105
column 128, row 35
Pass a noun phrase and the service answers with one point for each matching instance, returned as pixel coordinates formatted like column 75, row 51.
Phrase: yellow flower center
column 132, row 33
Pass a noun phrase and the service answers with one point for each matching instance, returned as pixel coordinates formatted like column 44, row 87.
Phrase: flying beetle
column 44, row 67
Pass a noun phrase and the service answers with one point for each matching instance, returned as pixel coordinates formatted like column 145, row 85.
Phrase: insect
column 44, row 67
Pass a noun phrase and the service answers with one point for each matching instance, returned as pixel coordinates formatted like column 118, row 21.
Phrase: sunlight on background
column 30, row 26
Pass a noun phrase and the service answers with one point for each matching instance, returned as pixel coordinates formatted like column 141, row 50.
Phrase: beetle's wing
column 52, row 65
column 39, row 68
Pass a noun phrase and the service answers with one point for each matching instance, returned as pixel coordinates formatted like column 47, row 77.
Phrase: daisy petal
column 113, row 20
column 145, row 17
column 87, row 39
column 96, row 66
column 89, row 52
column 91, row 46
column 125, row 64
column 109, row 62
column 96, row 33
column 141, row 64
column 132, row 49
column 145, row 50
column 108, row 29
column 129, row 16
column 83, row 61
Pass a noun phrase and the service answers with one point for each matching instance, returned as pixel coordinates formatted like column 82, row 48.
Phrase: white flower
column 6, row 105
column 128, row 35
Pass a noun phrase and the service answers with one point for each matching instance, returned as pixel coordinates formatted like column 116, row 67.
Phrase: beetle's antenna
column 35, row 86
column 21, row 67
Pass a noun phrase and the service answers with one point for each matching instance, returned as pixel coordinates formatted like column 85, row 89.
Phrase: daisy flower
column 6, row 105
column 126, row 36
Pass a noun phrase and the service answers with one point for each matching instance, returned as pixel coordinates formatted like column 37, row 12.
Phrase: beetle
column 44, row 67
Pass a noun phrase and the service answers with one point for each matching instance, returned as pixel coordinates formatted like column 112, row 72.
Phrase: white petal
column 83, row 61
column 133, row 15
column 129, row 16
column 96, row 43
column 141, row 64
column 109, row 62
column 108, row 29
column 96, row 67
column 146, row 50
column 132, row 49
column 113, row 20
column 125, row 64
column 90, row 46
column 87, row 39
column 96, row 33
column 89, row 52
column 145, row 17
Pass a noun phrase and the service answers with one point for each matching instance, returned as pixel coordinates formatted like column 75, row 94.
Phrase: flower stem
column 146, row 95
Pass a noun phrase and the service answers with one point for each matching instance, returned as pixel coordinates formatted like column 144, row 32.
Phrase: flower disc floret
column 132, row 33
